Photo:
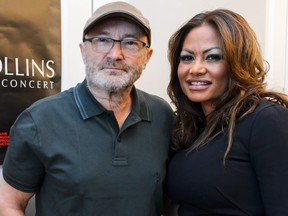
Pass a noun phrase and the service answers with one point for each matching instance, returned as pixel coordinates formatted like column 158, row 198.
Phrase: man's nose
column 116, row 50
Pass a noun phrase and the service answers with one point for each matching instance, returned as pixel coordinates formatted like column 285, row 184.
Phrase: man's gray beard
column 98, row 80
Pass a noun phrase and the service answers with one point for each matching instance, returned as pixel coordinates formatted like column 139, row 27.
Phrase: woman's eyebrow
column 205, row 51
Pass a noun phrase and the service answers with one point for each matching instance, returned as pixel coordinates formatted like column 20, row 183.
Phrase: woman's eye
column 186, row 58
column 214, row 57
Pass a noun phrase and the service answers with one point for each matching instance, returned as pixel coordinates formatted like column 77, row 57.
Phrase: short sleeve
column 21, row 168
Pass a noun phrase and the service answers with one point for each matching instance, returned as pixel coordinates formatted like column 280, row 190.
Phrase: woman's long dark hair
column 246, row 88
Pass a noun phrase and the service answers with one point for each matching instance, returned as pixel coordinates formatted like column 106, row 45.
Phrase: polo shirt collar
column 88, row 106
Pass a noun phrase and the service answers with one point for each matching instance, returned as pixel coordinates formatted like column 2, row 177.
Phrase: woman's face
column 203, row 72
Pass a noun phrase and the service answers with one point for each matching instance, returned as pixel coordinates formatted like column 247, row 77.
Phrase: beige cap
column 117, row 9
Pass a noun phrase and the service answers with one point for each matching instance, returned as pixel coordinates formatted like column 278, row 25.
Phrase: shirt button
column 157, row 178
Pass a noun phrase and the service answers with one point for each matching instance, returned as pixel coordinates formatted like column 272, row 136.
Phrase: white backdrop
column 268, row 18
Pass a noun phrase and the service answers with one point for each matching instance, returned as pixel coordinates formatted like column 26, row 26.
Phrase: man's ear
column 147, row 57
column 83, row 52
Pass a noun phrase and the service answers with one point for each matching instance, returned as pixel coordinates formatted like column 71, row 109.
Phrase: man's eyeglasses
column 104, row 44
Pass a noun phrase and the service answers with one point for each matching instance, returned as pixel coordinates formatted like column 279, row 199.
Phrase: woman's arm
column 269, row 157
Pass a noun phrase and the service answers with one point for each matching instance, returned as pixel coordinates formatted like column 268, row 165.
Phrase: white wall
column 268, row 18
column 74, row 14
column 167, row 15
column 276, row 45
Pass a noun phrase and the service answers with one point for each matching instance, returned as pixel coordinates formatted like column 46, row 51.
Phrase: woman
column 231, row 139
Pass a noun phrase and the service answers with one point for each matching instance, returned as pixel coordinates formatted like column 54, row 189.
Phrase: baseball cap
column 118, row 9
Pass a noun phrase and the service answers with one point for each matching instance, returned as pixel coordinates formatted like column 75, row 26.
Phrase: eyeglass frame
column 114, row 40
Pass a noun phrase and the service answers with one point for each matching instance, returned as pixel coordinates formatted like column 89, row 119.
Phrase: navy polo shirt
column 69, row 150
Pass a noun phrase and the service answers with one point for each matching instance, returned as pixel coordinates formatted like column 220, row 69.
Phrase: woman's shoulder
column 269, row 112
column 266, row 112
column 270, row 107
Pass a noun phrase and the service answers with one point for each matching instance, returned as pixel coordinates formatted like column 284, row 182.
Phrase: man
column 99, row 148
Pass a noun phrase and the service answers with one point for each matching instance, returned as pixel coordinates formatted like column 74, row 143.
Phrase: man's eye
column 186, row 58
column 129, row 43
column 214, row 57
column 103, row 40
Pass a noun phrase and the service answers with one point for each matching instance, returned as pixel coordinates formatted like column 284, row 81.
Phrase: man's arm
column 13, row 202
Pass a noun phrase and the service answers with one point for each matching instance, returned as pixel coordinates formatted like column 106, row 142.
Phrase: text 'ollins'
column 27, row 73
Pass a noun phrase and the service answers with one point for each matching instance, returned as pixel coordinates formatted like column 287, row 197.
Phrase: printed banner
column 30, row 57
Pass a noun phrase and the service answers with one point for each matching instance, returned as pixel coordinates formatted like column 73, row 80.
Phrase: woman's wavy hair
column 246, row 88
